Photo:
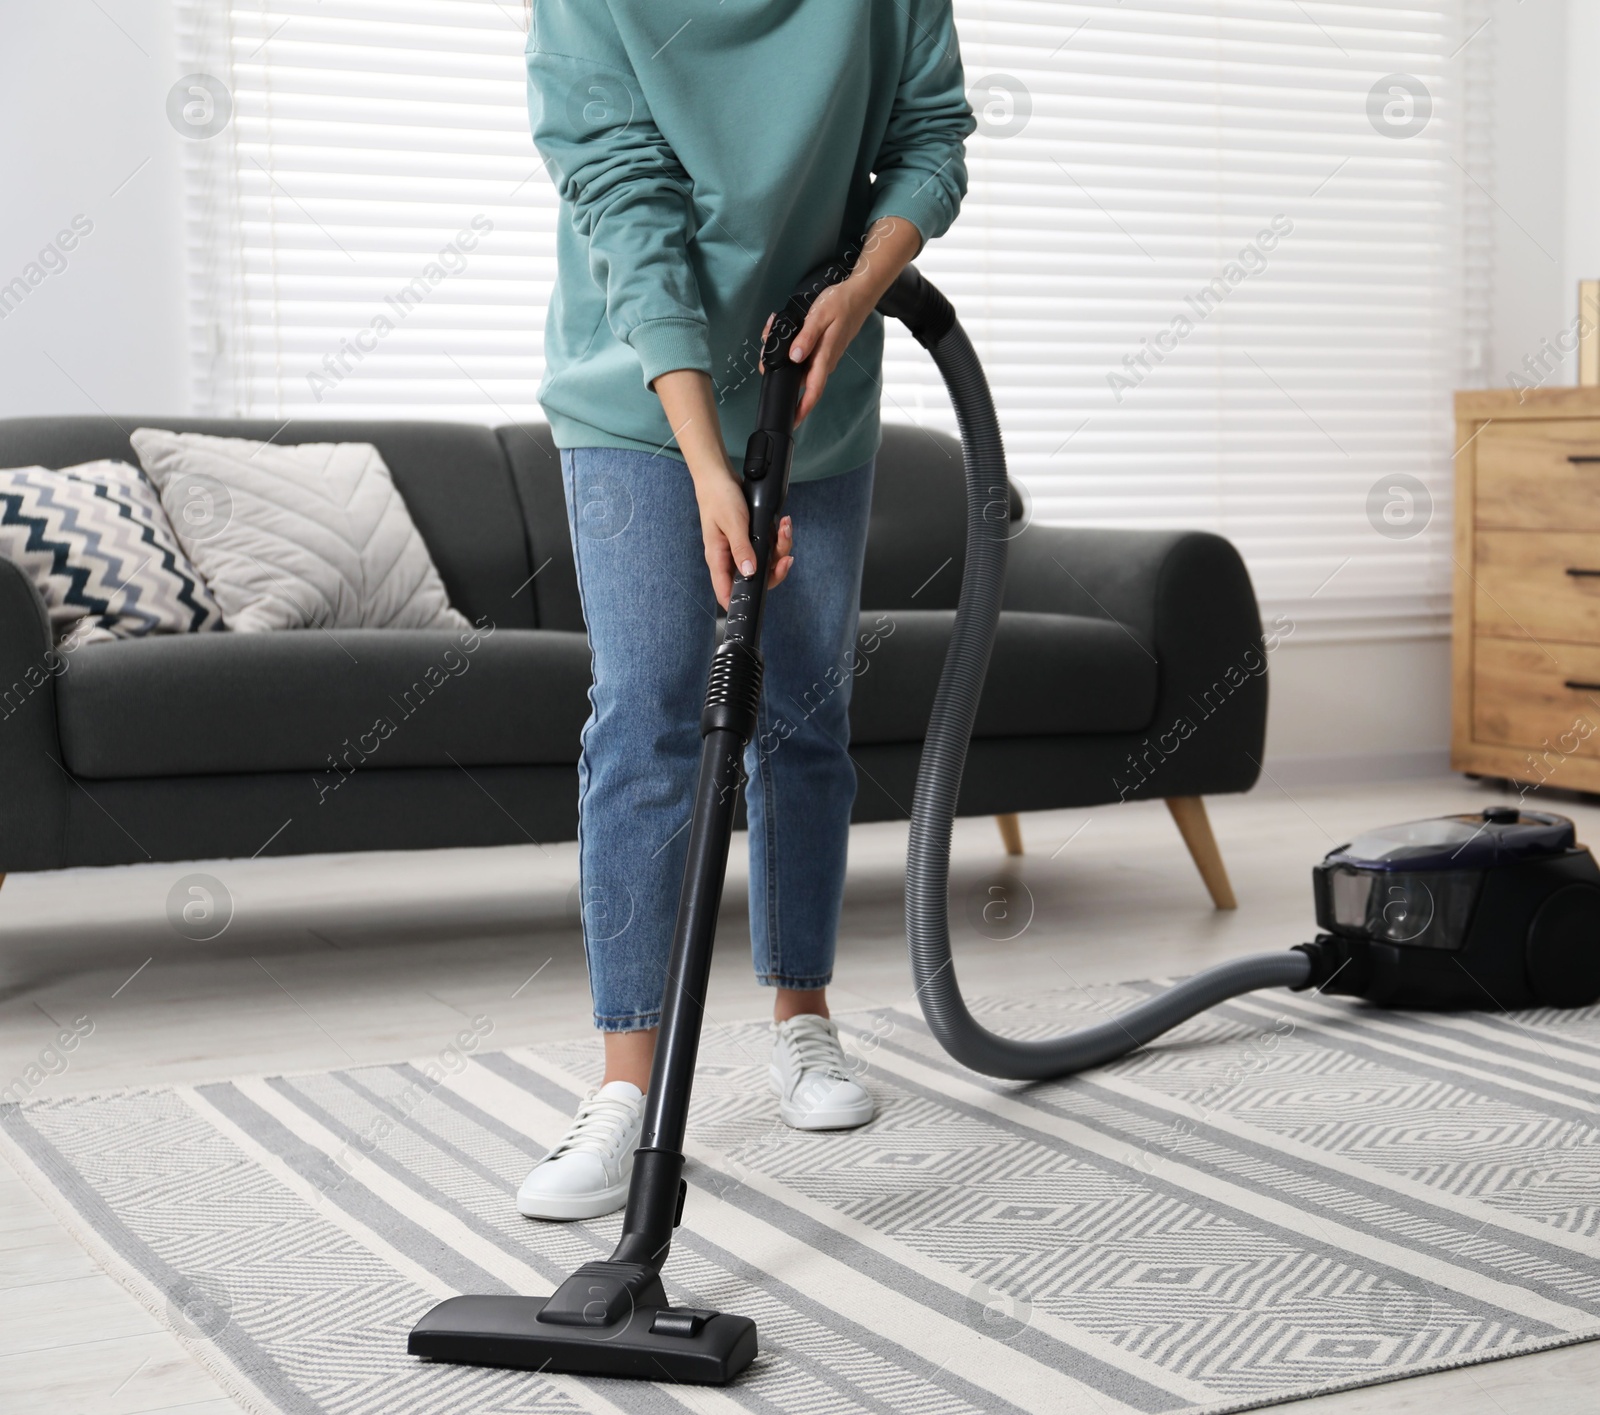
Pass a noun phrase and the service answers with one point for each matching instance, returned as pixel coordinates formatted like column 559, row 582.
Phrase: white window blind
column 371, row 235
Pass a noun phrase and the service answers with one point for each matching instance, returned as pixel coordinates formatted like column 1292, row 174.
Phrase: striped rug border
column 1424, row 1043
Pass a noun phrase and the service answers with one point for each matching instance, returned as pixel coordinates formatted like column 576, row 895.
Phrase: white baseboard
column 1355, row 768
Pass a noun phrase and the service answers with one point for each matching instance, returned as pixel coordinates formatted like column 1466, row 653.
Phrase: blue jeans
column 652, row 620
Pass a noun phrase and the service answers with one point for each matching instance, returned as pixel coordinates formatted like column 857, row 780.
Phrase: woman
column 708, row 155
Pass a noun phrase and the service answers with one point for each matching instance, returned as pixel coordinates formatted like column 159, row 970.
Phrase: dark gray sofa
column 219, row 745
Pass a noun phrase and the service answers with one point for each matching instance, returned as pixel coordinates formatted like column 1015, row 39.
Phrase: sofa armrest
column 1187, row 596
column 33, row 804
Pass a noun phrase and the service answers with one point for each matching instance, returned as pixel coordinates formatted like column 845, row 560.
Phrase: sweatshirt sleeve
column 630, row 197
column 921, row 170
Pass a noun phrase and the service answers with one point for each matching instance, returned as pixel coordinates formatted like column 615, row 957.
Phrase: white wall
column 90, row 103
column 1347, row 712
column 1582, row 151
column 83, row 108
column 1543, row 76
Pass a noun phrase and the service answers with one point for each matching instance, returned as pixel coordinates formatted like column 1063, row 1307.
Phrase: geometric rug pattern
column 1288, row 1195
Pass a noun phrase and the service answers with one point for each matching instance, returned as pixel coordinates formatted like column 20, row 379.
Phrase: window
column 1225, row 262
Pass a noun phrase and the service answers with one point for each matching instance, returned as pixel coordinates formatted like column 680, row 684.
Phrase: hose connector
column 920, row 306
column 1334, row 967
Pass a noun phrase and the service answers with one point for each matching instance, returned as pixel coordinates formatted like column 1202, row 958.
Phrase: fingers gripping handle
column 734, row 690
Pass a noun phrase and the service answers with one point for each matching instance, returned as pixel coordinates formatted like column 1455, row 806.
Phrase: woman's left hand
column 834, row 321
column 838, row 312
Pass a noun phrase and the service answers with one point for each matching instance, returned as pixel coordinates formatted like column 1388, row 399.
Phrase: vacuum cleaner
column 1499, row 909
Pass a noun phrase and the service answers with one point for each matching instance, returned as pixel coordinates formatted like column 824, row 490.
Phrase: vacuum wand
column 727, row 723
column 612, row 1317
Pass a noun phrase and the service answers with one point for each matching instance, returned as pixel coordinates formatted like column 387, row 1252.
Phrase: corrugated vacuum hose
column 612, row 1316
column 933, row 322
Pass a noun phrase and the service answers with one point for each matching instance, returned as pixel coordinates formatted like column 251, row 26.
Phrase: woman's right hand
column 725, row 529
column 691, row 411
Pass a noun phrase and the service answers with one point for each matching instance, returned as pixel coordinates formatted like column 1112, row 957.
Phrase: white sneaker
column 813, row 1081
column 587, row 1173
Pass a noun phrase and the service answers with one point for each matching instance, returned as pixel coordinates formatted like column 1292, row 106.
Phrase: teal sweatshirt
column 708, row 155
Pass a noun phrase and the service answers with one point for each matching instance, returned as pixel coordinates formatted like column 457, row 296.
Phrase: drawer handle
column 1578, row 686
column 1578, row 574
column 1580, row 458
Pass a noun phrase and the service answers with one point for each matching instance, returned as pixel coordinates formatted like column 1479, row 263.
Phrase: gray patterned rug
column 1287, row 1196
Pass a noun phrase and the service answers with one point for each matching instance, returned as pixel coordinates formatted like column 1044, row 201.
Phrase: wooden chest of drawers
column 1526, row 636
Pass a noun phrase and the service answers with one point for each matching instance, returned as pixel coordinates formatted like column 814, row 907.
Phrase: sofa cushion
column 98, row 547
column 1049, row 674
column 330, row 703
column 535, row 466
column 310, row 536
column 453, row 477
column 917, row 534
column 323, row 702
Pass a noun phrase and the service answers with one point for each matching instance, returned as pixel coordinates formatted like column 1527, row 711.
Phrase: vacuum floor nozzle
column 691, row 1345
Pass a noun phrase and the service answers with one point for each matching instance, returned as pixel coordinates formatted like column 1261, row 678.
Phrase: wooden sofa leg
column 1189, row 813
column 1010, row 833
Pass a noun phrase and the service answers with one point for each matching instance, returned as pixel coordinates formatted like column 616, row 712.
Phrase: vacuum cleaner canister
column 1497, row 910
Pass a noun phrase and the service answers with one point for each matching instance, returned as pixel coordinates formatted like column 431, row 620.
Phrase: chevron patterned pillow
column 308, row 535
column 97, row 544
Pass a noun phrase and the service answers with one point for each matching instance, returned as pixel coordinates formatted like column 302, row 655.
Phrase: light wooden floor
column 342, row 959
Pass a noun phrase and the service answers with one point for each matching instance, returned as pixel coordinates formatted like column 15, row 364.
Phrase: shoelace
column 816, row 1047
column 598, row 1129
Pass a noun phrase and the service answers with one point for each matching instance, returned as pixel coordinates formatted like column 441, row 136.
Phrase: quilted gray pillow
column 313, row 536
column 96, row 543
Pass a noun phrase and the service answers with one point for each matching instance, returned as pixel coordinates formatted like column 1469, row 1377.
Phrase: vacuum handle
column 770, row 451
